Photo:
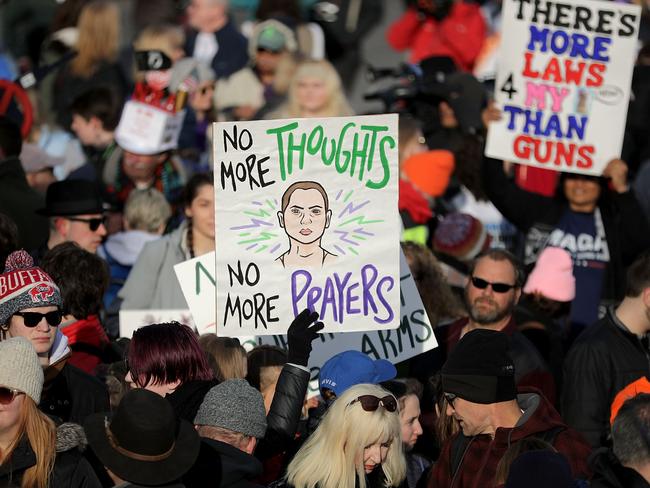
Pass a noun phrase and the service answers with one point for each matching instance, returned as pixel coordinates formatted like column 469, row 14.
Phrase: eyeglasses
column 7, row 395
column 450, row 397
column 92, row 223
column 370, row 403
column 32, row 319
column 482, row 284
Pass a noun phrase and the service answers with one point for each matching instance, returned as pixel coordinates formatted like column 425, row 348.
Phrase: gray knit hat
column 23, row 285
column 234, row 405
column 20, row 368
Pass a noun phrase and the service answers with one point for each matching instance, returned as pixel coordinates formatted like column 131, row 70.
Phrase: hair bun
column 18, row 260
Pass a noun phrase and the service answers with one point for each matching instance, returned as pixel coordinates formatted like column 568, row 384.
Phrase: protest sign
column 306, row 217
column 131, row 320
column 413, row 336
column 196, row 279
column 563, row 83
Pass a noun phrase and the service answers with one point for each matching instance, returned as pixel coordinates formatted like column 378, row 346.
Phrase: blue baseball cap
column 350, row 368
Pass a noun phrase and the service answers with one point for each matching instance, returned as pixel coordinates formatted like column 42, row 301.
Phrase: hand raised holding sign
column 302, row 331
column 616, row 172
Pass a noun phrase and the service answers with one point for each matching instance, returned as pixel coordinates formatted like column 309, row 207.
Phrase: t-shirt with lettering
column 583, row 236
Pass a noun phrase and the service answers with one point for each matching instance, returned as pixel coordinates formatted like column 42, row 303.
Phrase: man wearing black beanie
column 478, row 381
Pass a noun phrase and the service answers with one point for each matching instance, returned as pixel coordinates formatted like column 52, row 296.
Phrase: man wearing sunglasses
column 76, row 214
column 30, row 307
column 478, row 380
column 491, row 294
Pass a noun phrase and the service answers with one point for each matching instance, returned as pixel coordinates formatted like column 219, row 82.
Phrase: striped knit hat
column 23, row 285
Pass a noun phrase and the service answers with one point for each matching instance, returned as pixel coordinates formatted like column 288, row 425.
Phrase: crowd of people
column 536, row 283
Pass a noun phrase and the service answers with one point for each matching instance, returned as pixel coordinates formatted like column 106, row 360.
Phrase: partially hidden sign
column 563, row 83
column 306, row 217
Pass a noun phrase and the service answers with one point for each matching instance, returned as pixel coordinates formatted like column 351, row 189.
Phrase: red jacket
column 459, row 35
column 479, row 464
column 87, row 339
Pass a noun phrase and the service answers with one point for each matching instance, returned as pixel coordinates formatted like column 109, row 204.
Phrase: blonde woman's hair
column 41, row 433
column 99, row 37
column 329, row 457
column 147, row 210
column 337, row 105
column 226, row 356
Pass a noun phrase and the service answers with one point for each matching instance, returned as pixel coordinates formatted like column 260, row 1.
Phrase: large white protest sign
column 131, row 320
column 306, row 217
column 563, row 83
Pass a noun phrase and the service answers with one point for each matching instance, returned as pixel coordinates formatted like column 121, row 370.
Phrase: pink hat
column 553, row 276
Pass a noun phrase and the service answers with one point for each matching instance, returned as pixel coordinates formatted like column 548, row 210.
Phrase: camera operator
column 453, row 28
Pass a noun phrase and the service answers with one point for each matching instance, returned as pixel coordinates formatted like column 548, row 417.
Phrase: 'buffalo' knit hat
column 20, row 368
column 234, row 405
column 23, row 285
column 479, row 369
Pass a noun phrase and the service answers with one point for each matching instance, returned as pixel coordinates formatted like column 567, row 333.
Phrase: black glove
column 300, row 335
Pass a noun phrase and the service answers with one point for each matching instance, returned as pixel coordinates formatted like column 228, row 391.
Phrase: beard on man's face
column 490, row 312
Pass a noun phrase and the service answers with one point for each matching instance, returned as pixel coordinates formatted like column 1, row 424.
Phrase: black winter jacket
column 221, row 465
column 626, row 227
column 20, row 202
column 70, row 395
column 605, row 358
column 284, row 414
column 609, row 473
column 71, row 470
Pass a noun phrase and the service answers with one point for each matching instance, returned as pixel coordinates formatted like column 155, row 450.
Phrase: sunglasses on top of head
column 370, row 403
column 93, row 223
column 482, row 284
column 7, row 395
column 32, row 319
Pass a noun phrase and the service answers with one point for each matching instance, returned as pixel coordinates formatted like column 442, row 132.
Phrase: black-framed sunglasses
column 370, row 403
column 7, row 395
column 32, row 319
column 482, row 284
column 93, row 223
column 450, row 397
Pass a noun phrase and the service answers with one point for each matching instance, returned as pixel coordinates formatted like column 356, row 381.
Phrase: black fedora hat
column 72, row 197
column 143, row 442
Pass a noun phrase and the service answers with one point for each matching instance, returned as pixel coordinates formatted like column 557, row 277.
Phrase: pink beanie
column 553, row 276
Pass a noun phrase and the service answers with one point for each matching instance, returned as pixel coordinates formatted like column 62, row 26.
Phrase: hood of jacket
column 538, row 416
column 125, row 247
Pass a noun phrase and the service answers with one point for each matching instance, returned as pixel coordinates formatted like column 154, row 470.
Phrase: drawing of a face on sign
column 304, row 217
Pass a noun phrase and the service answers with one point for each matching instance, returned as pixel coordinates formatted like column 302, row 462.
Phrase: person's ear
column 645, row 294
column 517, row 295
column 281, row 219
column 62, row 226
column 328, row 218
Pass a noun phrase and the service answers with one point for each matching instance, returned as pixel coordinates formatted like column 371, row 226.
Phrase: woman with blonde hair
column 96, row 63
column 28, row 438
column 357, row 444
column 315, row 91
column 226, row 356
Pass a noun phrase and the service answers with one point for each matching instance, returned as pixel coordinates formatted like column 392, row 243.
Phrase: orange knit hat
column 642, row 385
column 430, row 171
